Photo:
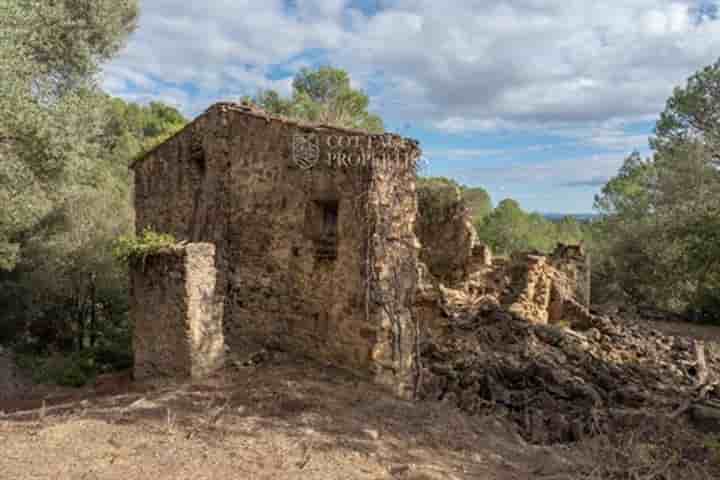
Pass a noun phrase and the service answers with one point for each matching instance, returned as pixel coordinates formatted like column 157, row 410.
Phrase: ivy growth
column 132, row 249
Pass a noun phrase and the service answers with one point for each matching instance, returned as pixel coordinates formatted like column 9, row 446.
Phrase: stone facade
column 177, row 308
column 314, row 253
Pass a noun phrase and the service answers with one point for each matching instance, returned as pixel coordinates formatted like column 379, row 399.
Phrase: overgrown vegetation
column 130, row 248
column 64, row 184
column 323, row 96
column 657, row 241
column 509, row 228
column 439, row 197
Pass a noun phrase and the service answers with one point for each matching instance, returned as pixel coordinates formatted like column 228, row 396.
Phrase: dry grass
column 659, row 450
column 281, row 421
column 289, row 420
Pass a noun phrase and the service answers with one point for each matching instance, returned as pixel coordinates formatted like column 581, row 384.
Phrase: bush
column 113, row 357
column 75, row 369
column 706, row 308
column 130, row 248
column 438, row 197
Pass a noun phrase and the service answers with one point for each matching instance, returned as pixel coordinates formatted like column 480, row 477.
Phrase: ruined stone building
column 294, row 236
column 308, row 239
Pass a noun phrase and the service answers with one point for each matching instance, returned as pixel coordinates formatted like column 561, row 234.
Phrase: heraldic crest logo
column 305, row 150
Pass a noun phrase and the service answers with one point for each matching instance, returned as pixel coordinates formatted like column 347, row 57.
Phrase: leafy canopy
column 324, row 95
column 50, row 53
column 661, row 215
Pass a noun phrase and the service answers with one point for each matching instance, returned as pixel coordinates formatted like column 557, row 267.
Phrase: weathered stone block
column 177, row 309
column 317, row 257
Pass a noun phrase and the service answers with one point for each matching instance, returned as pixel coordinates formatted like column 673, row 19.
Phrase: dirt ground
column 707, row 333
column 283, row 419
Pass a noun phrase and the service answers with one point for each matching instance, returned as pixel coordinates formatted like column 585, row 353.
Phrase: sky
column 536, row 100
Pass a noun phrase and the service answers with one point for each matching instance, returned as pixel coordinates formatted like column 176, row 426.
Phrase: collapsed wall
column 574, row 262
column 565, row 383
column 518, row 340
column 313, row 230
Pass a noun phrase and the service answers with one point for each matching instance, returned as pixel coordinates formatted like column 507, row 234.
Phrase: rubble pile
column 562, row 381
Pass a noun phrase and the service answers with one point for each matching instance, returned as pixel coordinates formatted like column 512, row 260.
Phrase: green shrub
column 437, row 197
column 113, row 357
column 130, row 248
column 75, row 369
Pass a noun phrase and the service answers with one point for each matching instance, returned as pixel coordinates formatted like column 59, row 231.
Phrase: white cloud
column 484, row 153
column 456, row 65
column 584, row 171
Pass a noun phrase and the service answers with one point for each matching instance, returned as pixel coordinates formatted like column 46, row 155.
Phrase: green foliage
column 63, row 200
column 64, row 183
column 132, row 129
column 438, row 197
column 478, row 201
column 508, row 229
column 323, row 96
column 75, row 369
column 130, row 248
column 52, row 116
column 657, row 242
column 692, row 114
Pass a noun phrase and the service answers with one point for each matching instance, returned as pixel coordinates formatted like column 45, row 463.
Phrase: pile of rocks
column 560, row 384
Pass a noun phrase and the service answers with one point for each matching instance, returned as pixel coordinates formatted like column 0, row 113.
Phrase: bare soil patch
column 282, row 419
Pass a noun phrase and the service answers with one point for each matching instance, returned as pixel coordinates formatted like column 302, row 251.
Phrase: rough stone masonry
column 308, row 238
column 290, row 235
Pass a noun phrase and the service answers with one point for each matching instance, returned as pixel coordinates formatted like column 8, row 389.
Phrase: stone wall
column 574, row 262
column 394, row 252
column 446, row 233
column 304, row 255
column 538, row 288
column 548, row 288
column 176, row 305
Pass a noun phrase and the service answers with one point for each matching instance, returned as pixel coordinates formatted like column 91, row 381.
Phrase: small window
column 326, row 222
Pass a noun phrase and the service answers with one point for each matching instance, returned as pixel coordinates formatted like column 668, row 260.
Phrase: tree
column 692, row 114
column 64, row 183
column 323, row 96
column 67, row 290
column 132, row 128
column 505, row 229
column 479, row 202
column 49, row 55
column 661, row 215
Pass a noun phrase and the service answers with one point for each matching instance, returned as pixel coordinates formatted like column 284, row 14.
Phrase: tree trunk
column 93, row 312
